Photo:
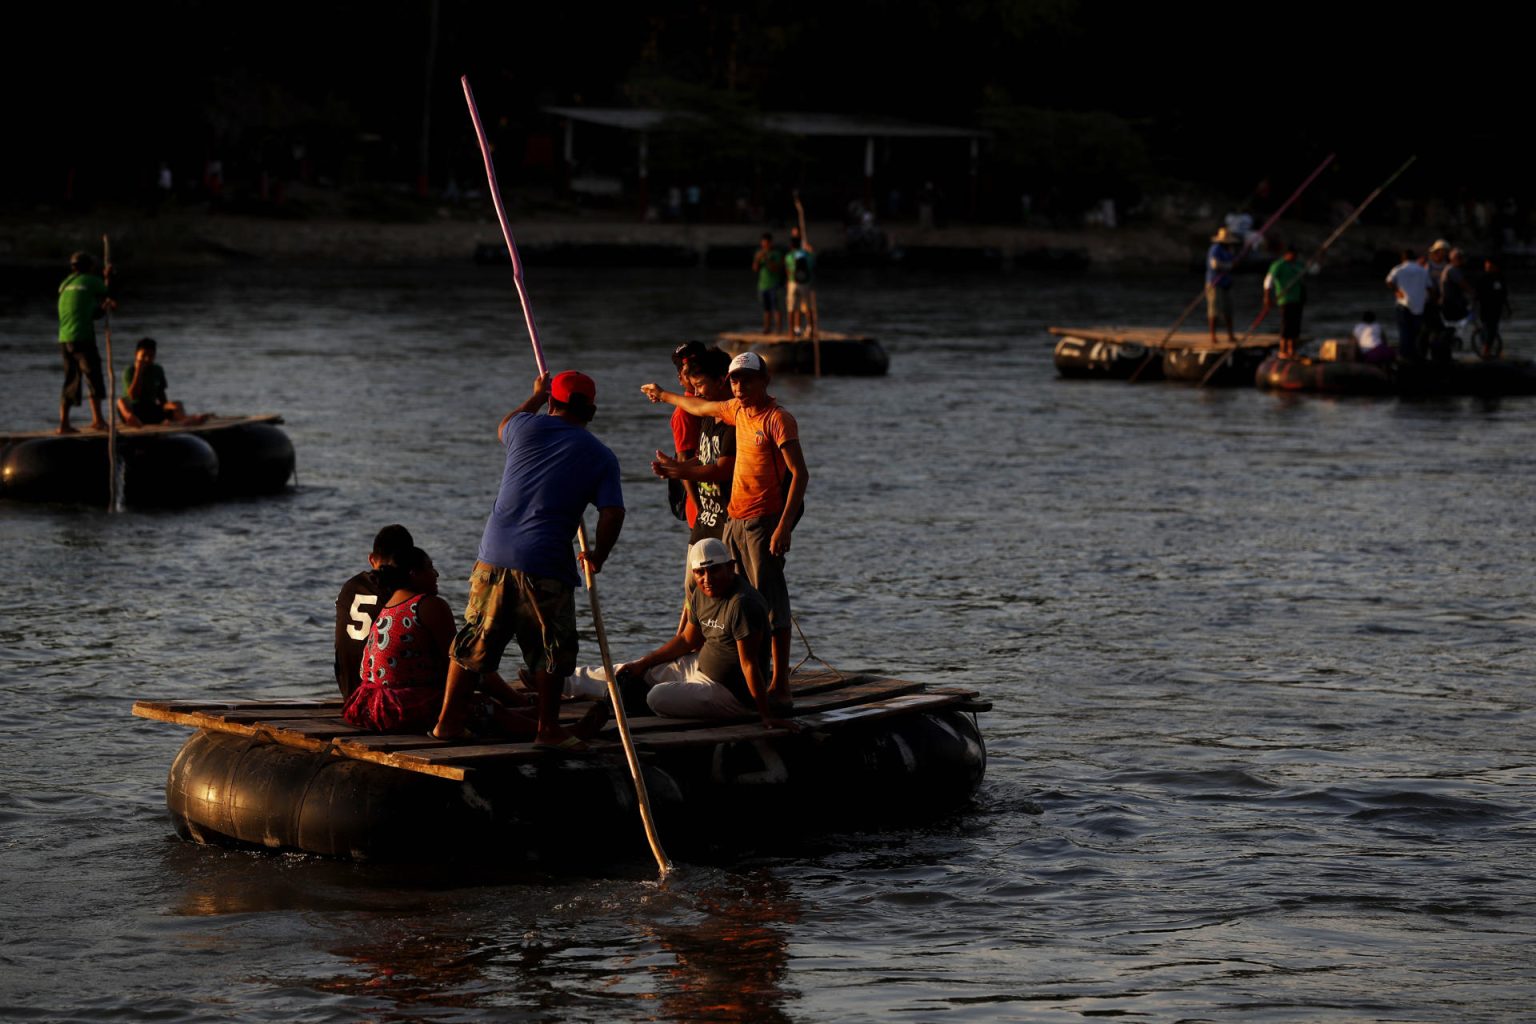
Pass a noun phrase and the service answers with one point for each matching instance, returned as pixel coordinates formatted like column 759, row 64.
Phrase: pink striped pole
column 506, row 226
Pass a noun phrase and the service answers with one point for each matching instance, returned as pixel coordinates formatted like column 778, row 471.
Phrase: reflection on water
column 730, row 955
column 1260, row 664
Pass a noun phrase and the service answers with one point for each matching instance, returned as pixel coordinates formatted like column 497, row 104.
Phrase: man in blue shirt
column 524, row 580
column 1218, row 282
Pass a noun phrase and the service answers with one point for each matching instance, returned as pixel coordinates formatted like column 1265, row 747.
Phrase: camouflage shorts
column 505, row 604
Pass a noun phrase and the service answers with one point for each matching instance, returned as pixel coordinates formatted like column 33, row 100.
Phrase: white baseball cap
column 747, row 361
column 708, row 552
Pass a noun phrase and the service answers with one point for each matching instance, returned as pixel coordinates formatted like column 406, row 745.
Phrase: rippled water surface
column 1262, row 744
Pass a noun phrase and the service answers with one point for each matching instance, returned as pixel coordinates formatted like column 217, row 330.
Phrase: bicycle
column 1467, row 333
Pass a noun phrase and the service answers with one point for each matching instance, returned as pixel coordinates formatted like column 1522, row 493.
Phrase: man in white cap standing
column 768, row 482
column 717, row 664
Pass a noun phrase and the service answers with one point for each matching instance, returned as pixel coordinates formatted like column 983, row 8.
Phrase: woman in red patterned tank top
column 405, row 661
column 405, row 665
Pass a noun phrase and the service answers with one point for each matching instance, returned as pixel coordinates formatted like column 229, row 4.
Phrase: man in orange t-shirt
column 768, row 484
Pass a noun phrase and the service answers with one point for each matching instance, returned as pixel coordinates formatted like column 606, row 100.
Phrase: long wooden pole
column 815, row 326
column 506, row 227
column 1316, row 257
column 581, row 531
column 1247, row 246
column 619, row 717
column 106, row 270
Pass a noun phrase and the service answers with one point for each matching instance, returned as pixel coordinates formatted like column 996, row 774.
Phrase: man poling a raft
column 554, row 469
column 1155, row 351
column 1288, row 344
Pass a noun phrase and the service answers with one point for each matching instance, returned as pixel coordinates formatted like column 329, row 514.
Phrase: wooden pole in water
column 581, row 531
column 1247, row 245
column 1317, row 256
column 619, row 716
column 815, row 326
column 106, row 270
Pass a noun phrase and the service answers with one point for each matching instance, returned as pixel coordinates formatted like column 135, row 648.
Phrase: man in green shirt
column 82, row 300
column 768, row 265
column 1285, row 286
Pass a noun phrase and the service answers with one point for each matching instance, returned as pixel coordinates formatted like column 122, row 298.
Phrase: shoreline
column 182, row 238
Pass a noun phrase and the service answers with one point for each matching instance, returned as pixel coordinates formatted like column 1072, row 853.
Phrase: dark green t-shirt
column 153, row 390
column 80, row 299
column 1287, row 279
column 770, row 269
column 724, row 621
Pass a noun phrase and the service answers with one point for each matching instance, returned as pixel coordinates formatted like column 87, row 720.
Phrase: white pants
column 678, row 690
column 586, row 682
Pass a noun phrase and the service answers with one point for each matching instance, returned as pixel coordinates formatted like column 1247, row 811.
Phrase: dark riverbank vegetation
column 1065, row 114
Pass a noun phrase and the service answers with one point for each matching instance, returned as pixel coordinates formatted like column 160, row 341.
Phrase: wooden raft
column 84, row 433
column 823, row 700
column 1159, row 338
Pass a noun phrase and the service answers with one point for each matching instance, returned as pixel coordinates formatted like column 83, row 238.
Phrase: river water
column 1262, row 743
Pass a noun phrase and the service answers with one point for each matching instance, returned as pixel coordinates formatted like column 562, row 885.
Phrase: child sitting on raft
column 405, row 664
column 144, row 400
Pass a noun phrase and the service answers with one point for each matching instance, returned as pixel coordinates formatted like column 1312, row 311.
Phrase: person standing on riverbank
column 83, row 300
column 524, row 581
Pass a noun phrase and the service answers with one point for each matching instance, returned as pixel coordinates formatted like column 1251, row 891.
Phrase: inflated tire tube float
column 1114, row 360
column 225, row 789
column 159, row 469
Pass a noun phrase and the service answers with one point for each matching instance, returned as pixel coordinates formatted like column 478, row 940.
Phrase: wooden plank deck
column 1159, row 338
column 216, row 423
column 823, row 699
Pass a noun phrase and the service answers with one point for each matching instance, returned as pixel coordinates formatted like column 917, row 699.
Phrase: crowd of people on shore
column 1442, row 302
column 403, row 666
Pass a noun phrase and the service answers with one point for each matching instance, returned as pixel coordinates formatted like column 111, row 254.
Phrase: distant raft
column 1326, row 376
column 163, row 465
column 1214, row 367
column 1475, row 377
column 1151, row 353
column 295, row 776
column 831, row 353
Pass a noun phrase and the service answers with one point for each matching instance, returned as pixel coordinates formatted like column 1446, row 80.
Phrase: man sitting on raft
column 144, row 401
column 717, row 666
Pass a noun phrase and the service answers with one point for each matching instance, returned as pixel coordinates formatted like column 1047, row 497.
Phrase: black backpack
column 677, row 498
column 802, row 268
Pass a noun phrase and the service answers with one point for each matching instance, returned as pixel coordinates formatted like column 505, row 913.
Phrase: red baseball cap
column 573, row 382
